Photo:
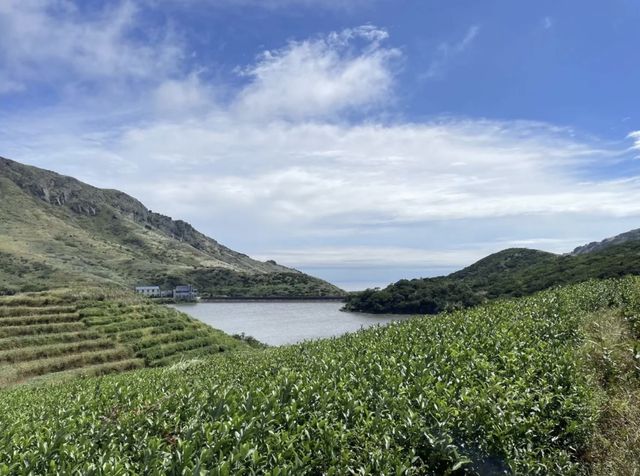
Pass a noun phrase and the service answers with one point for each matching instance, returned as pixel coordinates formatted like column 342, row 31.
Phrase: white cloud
column 635, row 136
column 53, row 40
column 547, row 23
column 374, row 256
column 320, row 77
column 422, row 258
column 447, row 52
column 272, row 155
column 316, row 173
column 281, row 160
column 184, row 96
column 278, row 4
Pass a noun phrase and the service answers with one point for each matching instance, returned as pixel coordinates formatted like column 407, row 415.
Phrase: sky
column 362, row 141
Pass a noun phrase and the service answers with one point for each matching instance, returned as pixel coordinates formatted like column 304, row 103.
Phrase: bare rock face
column 84, row 209
column 44, row 194
column 47, row 193
column 63, row 192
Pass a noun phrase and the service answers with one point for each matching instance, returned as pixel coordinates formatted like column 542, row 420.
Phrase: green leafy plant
column 501, row 388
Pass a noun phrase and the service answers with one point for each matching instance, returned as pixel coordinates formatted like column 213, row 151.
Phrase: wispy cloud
column 319, row 77
column 447, row 52
column 287, row 149
column 316, row 172
column 374, row 256
column 279, row 4
column 56, row 42
column 423, row 258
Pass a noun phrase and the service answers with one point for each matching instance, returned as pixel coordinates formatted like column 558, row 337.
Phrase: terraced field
column 66, row 333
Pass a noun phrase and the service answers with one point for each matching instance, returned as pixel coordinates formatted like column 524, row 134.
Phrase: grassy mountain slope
column 508, row 273
column 512, row 387
column 56, row 231
column 66, row 333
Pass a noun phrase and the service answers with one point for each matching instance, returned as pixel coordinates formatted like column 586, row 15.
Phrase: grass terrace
column 67, row 333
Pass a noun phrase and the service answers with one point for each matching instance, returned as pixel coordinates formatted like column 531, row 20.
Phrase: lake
column 283, row 322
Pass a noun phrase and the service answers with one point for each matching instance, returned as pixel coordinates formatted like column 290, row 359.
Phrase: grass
column 39, row 329
column 92, row 332
column 22, row 354
column 38, row 319
column 616, row 448
column 613, row 352
column 71, row 361
column 155, row 340
column 540, row 385
column 16, row 310
column 26, row 341
column 86, row 371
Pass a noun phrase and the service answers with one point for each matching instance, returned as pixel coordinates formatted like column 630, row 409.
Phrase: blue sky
column 361, row 141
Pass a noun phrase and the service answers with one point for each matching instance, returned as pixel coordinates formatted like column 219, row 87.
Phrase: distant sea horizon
column 359, row 279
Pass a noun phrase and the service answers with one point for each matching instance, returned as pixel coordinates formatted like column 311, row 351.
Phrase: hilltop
column 509, row 273
column 57, row 231
column 633, row 235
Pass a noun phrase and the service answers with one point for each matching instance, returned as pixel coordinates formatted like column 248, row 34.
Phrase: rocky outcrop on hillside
column 633, row 235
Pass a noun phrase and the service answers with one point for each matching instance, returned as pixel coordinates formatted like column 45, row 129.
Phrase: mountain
column 56, row 231
column 633, row 235
column 508, row 273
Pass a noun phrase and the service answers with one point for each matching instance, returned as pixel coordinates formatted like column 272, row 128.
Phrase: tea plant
column 91, row 332
column 501, row 388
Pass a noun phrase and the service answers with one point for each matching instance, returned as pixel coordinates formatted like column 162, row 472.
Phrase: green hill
column 66, row 333
column 546, row 384
column 56, row 231
column 509, row 273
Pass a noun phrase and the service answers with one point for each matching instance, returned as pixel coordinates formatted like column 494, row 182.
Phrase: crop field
column 65, row 333
column 515, row 387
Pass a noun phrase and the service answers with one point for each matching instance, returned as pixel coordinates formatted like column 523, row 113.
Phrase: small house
column 185, row 293
column 149, row 291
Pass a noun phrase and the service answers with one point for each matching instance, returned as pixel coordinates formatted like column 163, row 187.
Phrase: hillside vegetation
column 56, row 231
column 512, row 386
column 68, row 333
column 509, row 273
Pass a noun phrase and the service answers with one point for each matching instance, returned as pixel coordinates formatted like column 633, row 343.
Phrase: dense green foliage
column 499, row 388
column 509, row 273
column 418, row 296
column 68, row 333
column 271, row 285
column 56, row 231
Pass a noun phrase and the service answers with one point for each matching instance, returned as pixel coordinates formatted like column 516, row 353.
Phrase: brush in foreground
column 502, row 388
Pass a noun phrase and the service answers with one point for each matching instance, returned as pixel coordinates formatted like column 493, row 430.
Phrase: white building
column 149, row 291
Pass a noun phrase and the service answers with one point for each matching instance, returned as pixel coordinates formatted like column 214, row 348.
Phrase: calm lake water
column 283, row 322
